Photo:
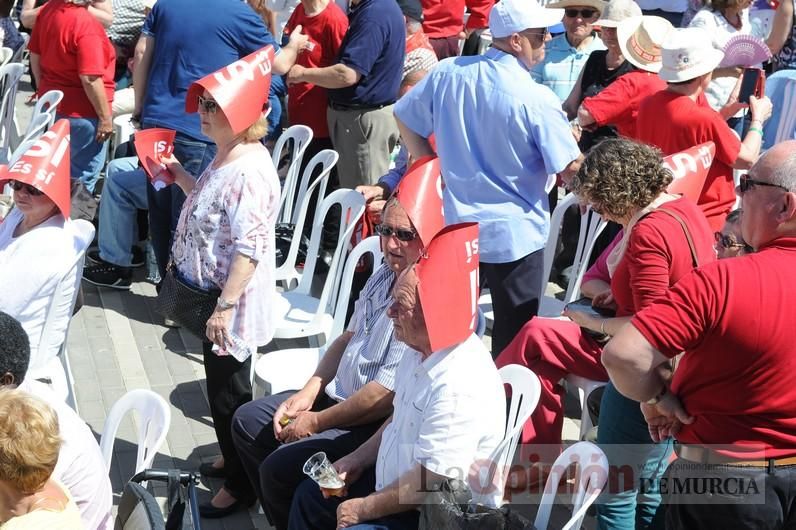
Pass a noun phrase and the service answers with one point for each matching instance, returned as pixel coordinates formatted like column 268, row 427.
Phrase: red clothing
column 656, row 257
column 674, row 123
column 70, row 43
column 306, row 102
column 734, row 319
column 446, row 18
column 618, row 103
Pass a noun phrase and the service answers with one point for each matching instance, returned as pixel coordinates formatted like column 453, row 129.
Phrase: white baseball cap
column 687, row 54
column 514, row 16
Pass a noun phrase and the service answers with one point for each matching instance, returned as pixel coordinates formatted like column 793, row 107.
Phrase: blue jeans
column 624, row 437
column 165, row 205
column 123, row 194
column 87, row 156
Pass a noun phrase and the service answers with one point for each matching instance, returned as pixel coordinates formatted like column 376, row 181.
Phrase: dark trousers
column 515, row 288
column 673, row 17
column 165, row 205
column 228, row 387
column 732, row 505
column 275, row 469
column 310, row 511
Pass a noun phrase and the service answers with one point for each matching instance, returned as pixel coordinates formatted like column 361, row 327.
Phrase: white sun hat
column 617, row 11
column 687, row 54
column 514, row 16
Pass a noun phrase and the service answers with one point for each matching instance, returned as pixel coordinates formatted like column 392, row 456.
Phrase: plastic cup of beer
column 320, row 469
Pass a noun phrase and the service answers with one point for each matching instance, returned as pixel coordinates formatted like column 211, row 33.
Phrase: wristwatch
column 657, row 399
column 224, row 305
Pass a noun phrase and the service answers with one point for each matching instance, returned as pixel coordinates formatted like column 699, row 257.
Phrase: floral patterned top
column 232, row 209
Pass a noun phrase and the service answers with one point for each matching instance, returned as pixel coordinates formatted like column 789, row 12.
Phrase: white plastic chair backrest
column 154, row 418
column 17, row 57
column 556, row 218
column 20, row 150
column 781, row 89
column 592, row 465
column 5, row 55
column 9, row 82
column 352, row 207
column 38, row 125
column 591, row 226
column 372, row 246
column 47, row 104
column 525, row 392
column 300, row 135
column 326, row 159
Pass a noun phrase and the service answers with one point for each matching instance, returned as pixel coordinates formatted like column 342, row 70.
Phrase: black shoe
column 208, row 470
column 139, row 257
column 108, row 275
column 208, row 511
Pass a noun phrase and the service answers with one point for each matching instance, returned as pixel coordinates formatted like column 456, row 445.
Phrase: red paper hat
column 448, row 288
column 240, row 89
column 690, row 169
column 420, row 195
column 150, row 146
column 45, row 166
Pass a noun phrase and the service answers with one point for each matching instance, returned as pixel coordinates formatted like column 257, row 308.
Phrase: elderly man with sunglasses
column 731, row 403
column 499, row 135
column 350, row 394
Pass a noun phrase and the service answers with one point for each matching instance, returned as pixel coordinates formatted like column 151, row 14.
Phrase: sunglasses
column 747, row 183
column 389, row 231
column 19, row 186
column 543, row 33
column 727, row 242
column 210, row 106
column 583, row 13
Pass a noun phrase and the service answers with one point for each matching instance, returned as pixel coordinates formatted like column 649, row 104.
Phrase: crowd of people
column 460, row 158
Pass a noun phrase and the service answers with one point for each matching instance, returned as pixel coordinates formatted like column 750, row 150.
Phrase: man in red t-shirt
column 678, row 118
column 444, row 21
column 734, row 385
column 70, row 52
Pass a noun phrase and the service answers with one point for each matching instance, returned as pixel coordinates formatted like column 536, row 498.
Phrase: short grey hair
column 413, row 26
column 784, row 173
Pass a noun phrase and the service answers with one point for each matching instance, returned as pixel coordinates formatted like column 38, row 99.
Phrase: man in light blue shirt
column 499, row 135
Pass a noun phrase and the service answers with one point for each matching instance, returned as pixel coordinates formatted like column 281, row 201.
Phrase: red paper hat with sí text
column 690, row 169
column 420, row 195
column 151, row 145
column 240, row 89
column 45, row 166
column 448, row 288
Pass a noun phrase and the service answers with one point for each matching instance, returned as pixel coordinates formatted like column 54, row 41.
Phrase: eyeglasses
column 747, row 183
column 389, row 231
column 543, row 33
column 210, row 106
column 727, row 242
column 584, row 13
column 19, row 186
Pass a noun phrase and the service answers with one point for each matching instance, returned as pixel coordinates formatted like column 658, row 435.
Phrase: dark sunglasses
column 727, row 242
column 584, row 13
column 747, row 183
column 543, row 33
column 19, row 186
column 210, row 106
column 389, row 231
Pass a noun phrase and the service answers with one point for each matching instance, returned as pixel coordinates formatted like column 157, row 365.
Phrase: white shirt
column 449, row 413
column 80, row 467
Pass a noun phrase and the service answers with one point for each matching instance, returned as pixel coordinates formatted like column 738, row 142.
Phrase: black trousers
column 275, row 469
column 729, row 497
column 516, row 288
column 228, row 387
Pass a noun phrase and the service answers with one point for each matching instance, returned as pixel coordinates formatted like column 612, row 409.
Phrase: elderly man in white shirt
column 80, row 468
column 449, row 401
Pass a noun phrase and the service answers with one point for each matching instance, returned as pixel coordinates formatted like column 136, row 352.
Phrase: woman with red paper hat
column 225, row 242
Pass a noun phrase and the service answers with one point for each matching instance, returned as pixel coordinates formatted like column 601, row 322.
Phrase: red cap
column 420, row 195
column 45, row 166
column 240, row 89
column 150, row 146
column 690, row 169
column 448, row 288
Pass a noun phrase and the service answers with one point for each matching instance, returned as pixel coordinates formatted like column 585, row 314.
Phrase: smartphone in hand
column 753, row 83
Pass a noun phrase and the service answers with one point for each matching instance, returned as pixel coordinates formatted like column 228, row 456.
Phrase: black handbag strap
column 688, row 237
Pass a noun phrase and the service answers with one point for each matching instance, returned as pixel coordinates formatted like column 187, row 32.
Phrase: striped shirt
column 372, row 354
column 562, row 64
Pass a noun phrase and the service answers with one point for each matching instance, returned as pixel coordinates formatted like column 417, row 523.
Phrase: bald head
column 778, row 165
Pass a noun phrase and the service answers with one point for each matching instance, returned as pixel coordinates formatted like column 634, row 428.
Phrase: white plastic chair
column 288, row 273
column 154, row 418
column 9, row 82
column 20, row 53
column 781, row 89
column 291, row 369
column 525, row 392
column 309, row 316
column 5, row 55
column 301, row 136
column 39, row 123
column 585, row 388
column 592, row 475
column 47, row 104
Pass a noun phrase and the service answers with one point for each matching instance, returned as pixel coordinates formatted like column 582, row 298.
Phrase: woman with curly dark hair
column 664, row 236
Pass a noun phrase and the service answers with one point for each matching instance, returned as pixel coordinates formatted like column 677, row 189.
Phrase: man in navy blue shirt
column 363, row 86
column 181, row 44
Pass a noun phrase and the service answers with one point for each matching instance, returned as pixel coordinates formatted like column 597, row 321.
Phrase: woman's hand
column 604, row 299
column 218, row 327
column 583, row 319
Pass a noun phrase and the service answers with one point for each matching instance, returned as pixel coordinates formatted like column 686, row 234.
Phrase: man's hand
column 305, row 424
column 350, row 513
column 349, row 469
column 374, row 210
column 294, row 76
column 371, row 192
column 298, row 402
column 104, row 129
column 666, row 417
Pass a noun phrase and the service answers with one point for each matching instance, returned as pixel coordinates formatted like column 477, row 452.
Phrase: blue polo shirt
column 562, row 64
column 192, row 40
column 374, row 46
column 499, row 135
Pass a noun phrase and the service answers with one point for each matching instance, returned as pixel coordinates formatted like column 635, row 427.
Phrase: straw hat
column 599, row 5
column 641, row 38
column 617, row 11
column 687, row 54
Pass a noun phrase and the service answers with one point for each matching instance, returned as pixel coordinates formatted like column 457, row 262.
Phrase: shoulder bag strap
column 688, row 237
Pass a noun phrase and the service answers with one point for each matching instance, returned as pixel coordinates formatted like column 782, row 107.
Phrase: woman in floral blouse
column 225, row 240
